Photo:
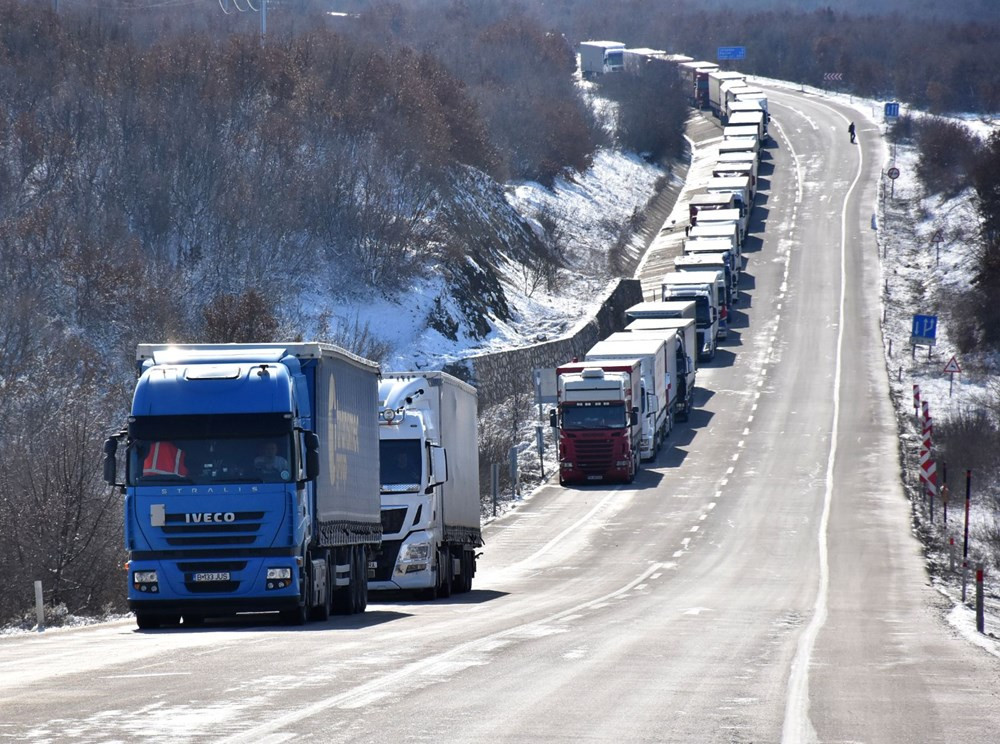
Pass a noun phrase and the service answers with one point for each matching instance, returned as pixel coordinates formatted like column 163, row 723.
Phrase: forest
column 166, row 174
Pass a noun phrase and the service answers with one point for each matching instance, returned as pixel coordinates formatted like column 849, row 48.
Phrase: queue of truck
column 296, row 477
column 617, row 406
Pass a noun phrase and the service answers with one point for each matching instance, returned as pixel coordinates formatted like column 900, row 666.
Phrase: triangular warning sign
column 952, row 367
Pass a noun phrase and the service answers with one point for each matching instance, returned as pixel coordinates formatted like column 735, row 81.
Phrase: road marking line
column 797, row 726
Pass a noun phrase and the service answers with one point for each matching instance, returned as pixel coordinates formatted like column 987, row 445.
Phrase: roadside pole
column 540, row 441
column 39, row 606
column 980, row 614
column 965, row 546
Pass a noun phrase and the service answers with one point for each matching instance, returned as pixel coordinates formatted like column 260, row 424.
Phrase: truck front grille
column 386, row 556
column 392, row 520
column 243, row 530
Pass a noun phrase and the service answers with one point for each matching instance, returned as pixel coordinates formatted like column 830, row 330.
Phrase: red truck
column 597, row 416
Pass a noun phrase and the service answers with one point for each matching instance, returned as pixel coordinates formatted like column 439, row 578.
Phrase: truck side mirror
column 111, row 461
column 634, row 418
column 312, row 455
column 439, row 466
column 553, row 421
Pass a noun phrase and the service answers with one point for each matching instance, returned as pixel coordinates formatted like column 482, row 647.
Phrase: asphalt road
column 758, row 583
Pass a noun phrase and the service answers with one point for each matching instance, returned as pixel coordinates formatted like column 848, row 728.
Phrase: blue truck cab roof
column 257, row 383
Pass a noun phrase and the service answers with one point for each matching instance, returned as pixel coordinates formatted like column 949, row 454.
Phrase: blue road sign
column 734, row 52
column 891, row 110
column 924, row 329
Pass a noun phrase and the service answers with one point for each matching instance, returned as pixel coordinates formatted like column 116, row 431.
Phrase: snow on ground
column 589, row 208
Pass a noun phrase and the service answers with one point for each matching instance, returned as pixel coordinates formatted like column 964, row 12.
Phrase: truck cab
column 597, row 417
column 702, row 287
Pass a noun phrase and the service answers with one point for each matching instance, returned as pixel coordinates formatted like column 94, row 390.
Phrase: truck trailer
column 250, row 481
column 597, row 417
column 685, row 337
column 701, row 287
column 716, row 79
column 601, row 57
column 656, row 408
column 429, row 454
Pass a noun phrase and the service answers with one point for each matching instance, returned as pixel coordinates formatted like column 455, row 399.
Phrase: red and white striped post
column 916, row 402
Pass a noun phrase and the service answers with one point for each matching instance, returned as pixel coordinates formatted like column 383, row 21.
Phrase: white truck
column 705, row 202
column 701, row 287
column 658, row 370
column 747, row 145
column 737, row 164
column 739, row 186
column 725, row 217
column 716, row 79
column 685, row 341
column 754, row 119
column 429, row 454
column 601, row 57
column 708, row 230
column 711, row 262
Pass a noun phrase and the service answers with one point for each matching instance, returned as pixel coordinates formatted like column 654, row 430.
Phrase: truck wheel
column 321, row 613
column 444, row 574
column 147, row 621
column 299, row 615
column 360, row 576
column 345, row 598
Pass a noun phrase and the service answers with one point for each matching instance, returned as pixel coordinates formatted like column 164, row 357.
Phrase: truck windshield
column 399, row 464
column 209, row 461
column 702, row 312
column 593, row 417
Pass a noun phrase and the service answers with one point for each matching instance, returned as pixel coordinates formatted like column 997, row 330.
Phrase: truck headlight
column 145, row 577
column 279, row 573
column 419, row 552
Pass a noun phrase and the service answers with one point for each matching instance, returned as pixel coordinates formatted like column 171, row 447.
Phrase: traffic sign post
column 891, row 110
column 923, row 333
column 731, row 52
column 952, row 369
column 937, row 239
column 893, row 174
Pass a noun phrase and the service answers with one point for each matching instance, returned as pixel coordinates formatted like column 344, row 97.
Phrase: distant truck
column 707, row 202
column 601, row 57
column 711, row 262
column 429, row 455
column 725, row 217
column 597, row 417
column 716, row 79
column 659, row 393
column 704, row 292
column 694, row 77
column 685, row 337
column 250, row 481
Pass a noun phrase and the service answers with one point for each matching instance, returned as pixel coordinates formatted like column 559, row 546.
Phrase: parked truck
column 597, row 417
column 711, row 262
column 707, row 202
column 725, row 217
column 250, row 481
column 694, row 77
column 685, row 337
column 701, row 287
column 658, row 368
column 601, row 57
column 429, row 455
column 716, row 79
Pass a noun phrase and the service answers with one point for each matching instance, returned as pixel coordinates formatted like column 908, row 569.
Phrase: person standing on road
column 850, row 130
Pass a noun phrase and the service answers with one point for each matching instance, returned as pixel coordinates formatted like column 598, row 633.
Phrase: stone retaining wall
column 500, row 374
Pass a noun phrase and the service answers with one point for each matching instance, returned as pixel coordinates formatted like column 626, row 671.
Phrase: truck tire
column 321, row 613
column 360, row 577
column 147, row 621
column 444, row 574
column 298, row 615
column 345, row 598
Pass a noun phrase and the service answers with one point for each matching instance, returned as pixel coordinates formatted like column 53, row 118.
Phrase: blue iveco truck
column 251, row 481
